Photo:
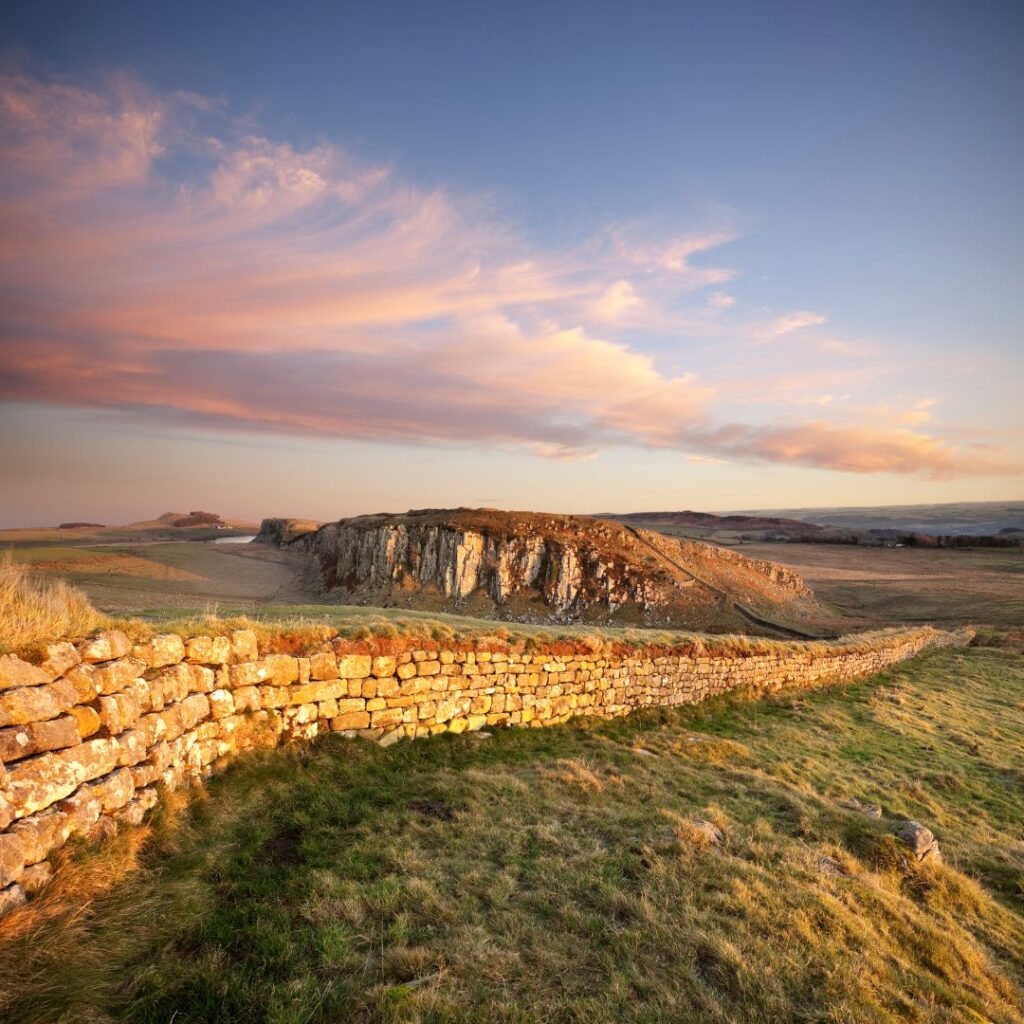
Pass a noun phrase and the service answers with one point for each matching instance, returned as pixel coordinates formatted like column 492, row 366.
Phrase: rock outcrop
column 536, row 567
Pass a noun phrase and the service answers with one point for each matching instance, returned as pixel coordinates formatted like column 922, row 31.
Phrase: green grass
column 551, row 875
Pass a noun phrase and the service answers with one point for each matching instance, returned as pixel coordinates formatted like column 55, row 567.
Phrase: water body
column 248, row 539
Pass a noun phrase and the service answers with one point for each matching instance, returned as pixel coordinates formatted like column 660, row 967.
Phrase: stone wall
column 90, row 734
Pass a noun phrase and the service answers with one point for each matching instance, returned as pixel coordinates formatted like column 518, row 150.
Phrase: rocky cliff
column 536, row 567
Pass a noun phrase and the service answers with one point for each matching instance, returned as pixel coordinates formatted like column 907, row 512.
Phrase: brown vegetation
column 33, row 610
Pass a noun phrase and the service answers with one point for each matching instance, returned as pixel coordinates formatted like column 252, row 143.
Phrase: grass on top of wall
column 554, row 875
column 302, row 629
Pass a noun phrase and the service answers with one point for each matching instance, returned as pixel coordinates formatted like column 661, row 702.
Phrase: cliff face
column 532, row 566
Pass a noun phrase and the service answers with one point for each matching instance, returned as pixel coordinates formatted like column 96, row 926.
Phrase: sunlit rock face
column 456, row 563
column 534, row 567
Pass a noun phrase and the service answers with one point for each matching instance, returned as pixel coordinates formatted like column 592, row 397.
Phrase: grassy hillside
column 556, row 875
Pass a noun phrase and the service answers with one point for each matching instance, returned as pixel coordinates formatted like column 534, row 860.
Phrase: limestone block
column 248, row 673
column 165, row 649
column 57, row 658
column 25, row 704
column 244, row 646
column 203, row 679
column 222, row 703
column 39, row 781
column 116, row 675
column 35, row 877
column 323, row 666
column 283, row 668
column 247, row 698
column 386, row 718
column 317, row 691
column 351, row 720
column 406, row 671
column 174, row 683
column 194, row 709
column 428, row 668
column 15, row 672
column 12, row 858
column 38, row 737
column 42, row 833
column 208, row 650
column 11, row 897
column 354, row 666
column 105, row 646
column 383, row 665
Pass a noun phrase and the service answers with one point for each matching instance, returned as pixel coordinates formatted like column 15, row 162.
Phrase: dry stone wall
column 90, row 734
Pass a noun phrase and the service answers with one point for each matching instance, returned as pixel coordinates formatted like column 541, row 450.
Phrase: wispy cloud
column 160, row 257
column 790, row 322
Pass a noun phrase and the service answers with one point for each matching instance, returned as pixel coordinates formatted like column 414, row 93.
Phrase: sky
column 321, row 259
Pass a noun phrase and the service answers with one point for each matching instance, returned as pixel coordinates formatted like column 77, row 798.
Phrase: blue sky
column 806, row 216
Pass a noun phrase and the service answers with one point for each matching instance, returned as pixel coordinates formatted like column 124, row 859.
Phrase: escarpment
column 536, row 567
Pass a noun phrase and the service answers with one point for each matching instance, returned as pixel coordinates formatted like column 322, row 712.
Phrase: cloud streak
column 159, row 257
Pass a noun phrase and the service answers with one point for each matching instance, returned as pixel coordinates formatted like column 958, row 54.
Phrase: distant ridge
column 737, row 521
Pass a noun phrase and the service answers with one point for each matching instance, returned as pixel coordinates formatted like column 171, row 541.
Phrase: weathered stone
column 158, row 651
column 40, row 781
column 117, row 675
column 203, row 679
column 323, row 666
column 38, row 737
column 386, row 718
column 105, row 646
column 248, row 673
column 351, row 720
column 15, row 672
column 383, row 665
column 208, row 650
column 244, row 646
column 920, row 841
column 11, row 897
column 26, row 704
column 35, row 877
column 87, row 720
column 58, row 658
column 222, row 703
column 41, row 834
column 354, row 666
column 707, row 831
column 283, row 669
column 12, row 857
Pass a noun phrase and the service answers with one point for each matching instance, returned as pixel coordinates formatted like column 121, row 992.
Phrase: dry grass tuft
column 33, row 610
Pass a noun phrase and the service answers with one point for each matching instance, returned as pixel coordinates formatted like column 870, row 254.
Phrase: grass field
column 876, row 585
column 160, row 578
column 554, row 875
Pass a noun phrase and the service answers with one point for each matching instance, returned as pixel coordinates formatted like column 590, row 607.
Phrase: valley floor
column 555, row 875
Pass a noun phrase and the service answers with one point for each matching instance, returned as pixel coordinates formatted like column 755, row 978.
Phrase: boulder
column 918, row 839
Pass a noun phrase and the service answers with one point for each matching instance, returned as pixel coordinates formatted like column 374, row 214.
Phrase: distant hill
column 973, row 518
column 709, row 522
column 169, row 526
column 530, row 566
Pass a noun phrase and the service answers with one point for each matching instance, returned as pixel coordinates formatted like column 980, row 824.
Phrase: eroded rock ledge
column 90, row 735
column 536, row 566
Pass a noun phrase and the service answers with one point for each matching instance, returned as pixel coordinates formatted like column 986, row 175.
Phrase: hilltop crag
column 538, row 567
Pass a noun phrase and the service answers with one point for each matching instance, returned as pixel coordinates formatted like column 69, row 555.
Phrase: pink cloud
column 159, row 257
